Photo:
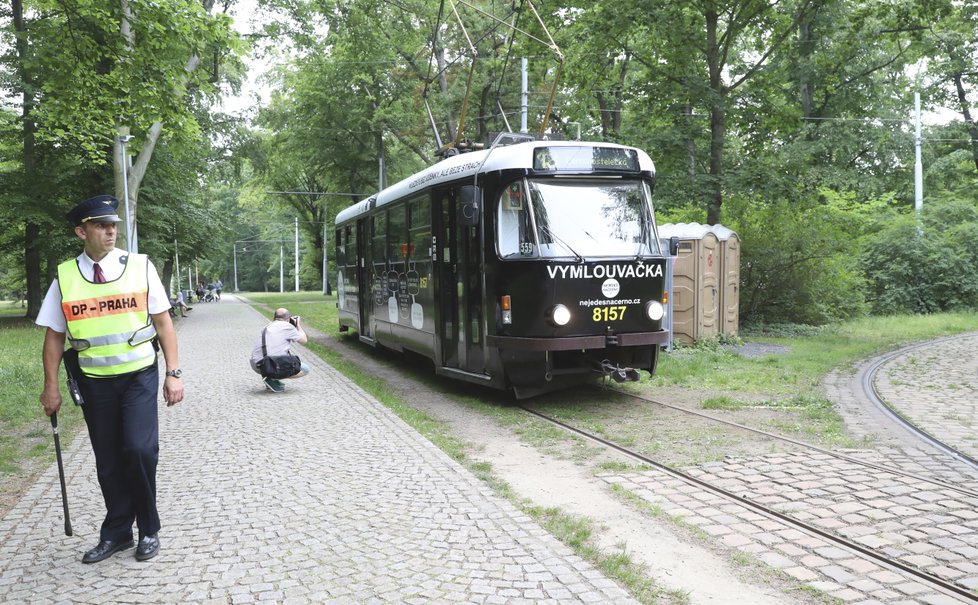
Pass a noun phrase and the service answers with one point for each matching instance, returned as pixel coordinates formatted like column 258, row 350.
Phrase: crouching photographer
column 271, row 357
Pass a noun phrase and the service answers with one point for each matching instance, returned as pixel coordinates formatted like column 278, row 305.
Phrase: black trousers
column 123, row 425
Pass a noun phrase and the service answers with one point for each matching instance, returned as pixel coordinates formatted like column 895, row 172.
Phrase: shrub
column 924, row 266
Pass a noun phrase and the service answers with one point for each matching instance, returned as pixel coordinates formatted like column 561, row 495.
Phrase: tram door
column 364, row 271
column 460, row 290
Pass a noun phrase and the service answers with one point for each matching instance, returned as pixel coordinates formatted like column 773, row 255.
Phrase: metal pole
column 325, row 248
column 235, row 266
column 176, row 255
column 125, row 194
column 525, row 97
column 296, row 254
column 325, row 285
column 918, row 166
column 281, row 268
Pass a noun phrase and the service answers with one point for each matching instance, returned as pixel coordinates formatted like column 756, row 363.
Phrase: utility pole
column 296, row 254
column 176, row 254
column 325, row 264
column 235, row 266
column 130, row 224
column 918, row 166
column 525, row 96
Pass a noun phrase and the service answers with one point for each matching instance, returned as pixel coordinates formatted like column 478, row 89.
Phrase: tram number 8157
column 614, row 313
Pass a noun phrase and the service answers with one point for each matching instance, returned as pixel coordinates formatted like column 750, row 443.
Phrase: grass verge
column 25, row 432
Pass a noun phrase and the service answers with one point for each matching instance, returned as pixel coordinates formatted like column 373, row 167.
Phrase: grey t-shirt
column 278, row 337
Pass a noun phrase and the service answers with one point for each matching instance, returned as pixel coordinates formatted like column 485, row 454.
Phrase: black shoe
column 149, row 547
column 105, row 549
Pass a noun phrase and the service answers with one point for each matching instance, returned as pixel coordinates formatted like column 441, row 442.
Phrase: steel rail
column 869, row 386
column 822, row 450
column 867, row 552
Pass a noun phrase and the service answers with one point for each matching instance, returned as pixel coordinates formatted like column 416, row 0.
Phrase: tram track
column 872, row 392
column 869, row 553
column 838, row 455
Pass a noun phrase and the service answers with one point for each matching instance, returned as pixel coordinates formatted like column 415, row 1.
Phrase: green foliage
column 94, row 78
column 924, row 266
column 799, row 262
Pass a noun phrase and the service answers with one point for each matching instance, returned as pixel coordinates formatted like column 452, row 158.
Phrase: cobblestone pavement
column 935, row 386
column 924, row 524
column 316, row 495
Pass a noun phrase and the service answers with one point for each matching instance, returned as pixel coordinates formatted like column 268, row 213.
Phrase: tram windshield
column 576, row 218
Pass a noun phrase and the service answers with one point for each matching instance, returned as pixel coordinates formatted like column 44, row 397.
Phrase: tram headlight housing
column 654, row 310
column 560, row 315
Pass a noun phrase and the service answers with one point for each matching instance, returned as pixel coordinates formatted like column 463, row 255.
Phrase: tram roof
column 518, row 156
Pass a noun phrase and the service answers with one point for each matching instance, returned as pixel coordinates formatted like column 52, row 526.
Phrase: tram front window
column 591, row 218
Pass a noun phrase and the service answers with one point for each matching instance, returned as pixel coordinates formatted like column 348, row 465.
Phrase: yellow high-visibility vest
column 103, row 319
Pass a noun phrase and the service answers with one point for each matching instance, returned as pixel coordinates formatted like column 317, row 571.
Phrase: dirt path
column 674, row 561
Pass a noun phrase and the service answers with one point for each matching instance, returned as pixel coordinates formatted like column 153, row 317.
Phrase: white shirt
column 279, row 336
column 51, row 314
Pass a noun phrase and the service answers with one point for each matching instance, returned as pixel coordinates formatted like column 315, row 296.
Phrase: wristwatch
column 175, row 373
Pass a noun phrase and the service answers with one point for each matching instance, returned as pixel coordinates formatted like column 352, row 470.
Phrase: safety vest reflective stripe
column 94, row 362
column 114, row 339
column 107, row 315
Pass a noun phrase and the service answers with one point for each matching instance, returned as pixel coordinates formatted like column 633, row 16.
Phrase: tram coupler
column 618, row 373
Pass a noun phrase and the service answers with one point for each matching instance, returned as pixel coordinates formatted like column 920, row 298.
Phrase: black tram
column 529, row 267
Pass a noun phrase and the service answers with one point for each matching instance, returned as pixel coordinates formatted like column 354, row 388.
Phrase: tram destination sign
column 585, row 159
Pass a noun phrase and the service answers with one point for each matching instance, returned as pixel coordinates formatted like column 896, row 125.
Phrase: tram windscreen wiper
column 545, row 230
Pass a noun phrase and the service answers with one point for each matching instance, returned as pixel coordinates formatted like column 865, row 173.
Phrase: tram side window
column 350, row 245
column 419, row 228
column 513, row 224
column 378, row 231
column 397, row 231
column 340, row 247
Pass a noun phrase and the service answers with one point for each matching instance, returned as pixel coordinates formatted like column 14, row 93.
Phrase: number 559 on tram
column 527, row 267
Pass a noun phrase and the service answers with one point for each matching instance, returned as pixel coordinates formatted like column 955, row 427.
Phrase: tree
column 87, row 73
column 127, row 68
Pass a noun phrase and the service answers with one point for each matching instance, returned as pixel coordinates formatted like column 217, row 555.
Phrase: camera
column 294, row 320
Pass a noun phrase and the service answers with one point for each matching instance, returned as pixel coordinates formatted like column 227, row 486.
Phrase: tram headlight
column 654, row 310
column 560, row 315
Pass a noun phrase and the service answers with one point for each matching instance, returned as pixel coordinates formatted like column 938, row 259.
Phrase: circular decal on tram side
column 610, row 288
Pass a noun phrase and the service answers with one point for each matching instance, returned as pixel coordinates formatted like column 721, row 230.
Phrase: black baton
column 61, row 472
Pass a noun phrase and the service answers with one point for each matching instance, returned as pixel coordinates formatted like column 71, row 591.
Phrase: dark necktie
column 99, row 276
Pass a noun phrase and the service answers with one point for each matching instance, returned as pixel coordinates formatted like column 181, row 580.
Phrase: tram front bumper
column 577, row 343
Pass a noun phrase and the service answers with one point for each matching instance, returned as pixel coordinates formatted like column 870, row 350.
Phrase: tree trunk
column 966, row 113
column 443, row 84
column 32, row 230
column 717, row 119
column 127, row 188
column 166, row 273
column 805, row 51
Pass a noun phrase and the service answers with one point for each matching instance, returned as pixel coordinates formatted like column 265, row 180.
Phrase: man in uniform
column 113, row 310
